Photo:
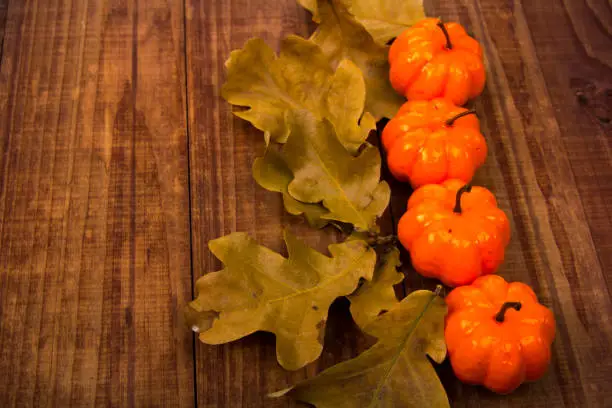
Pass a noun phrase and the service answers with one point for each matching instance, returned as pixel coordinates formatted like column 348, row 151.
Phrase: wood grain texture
column 94, row 238
column 3, row 9
column 551, row 169
column 224, row 196
column 226, row 199
column 546, row 115
column 99, row 176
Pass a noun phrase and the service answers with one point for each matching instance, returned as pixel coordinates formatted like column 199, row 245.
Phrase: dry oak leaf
column 386, row 19
column 383, row 19
column 395, row 372
column 324, row 172
column 342, row 37
column 301, row 77
column 377, row 296
column 271, row 172
column 259, row 289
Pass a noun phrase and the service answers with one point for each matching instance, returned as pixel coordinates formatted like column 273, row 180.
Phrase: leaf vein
column 411, row 331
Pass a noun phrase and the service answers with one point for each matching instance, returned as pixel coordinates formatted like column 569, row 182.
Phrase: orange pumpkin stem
column 452, row 120
column 465, row 189
column 449, row 45
column 499, row 317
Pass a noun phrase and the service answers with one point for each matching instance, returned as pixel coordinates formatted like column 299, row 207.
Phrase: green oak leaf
column 386, row 19
column 324, row 172
column 271, row 172
column 395, row 372
column 377, row 296
column 259, row 289
column 342, row 37
column 299, row 78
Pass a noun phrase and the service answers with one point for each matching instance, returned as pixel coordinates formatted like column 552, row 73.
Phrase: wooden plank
column 3, row 9
column 94, row 238
column 549, row 165
column 551, row 169
column 225, row 199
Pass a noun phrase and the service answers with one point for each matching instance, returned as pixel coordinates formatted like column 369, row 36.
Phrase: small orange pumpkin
column 497, row 334
column 454, row 232
column 432, row 59
column 428, row 142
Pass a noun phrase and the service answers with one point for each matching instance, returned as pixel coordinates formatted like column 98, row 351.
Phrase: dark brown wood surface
column 119, row 161
column 95, row 247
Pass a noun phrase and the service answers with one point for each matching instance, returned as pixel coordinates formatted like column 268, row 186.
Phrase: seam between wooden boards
column 189, row 192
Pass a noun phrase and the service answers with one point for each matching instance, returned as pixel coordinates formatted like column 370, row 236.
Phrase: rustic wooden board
column 549, row 165
column 94, row 238
column 108, row 164
column 3, row 9
column 225, row 198
column 551, row 168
